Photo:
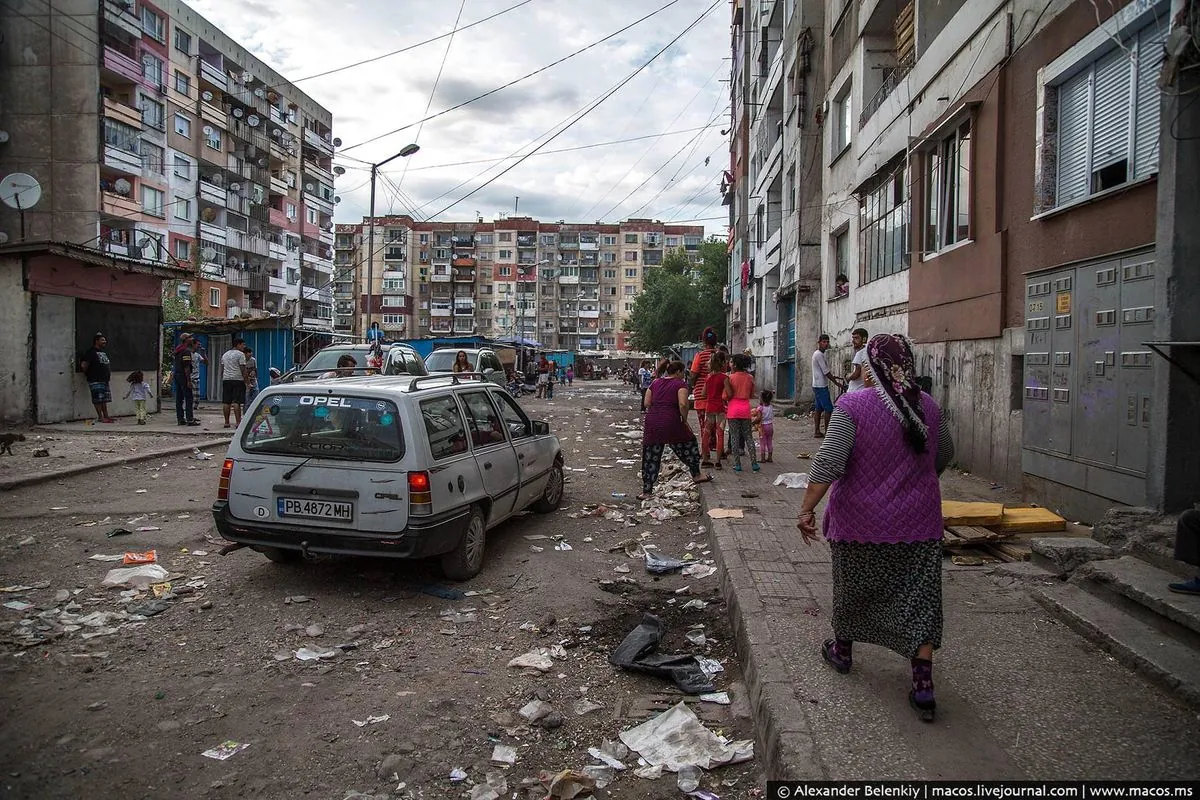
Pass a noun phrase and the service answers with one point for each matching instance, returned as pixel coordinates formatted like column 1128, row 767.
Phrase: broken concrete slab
column 1119, row 525
column 1065, row 554
column 1025, row 572
column 1145, row 585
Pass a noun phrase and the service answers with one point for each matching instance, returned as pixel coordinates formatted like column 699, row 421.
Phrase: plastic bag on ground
column 138, row 577
column 661, row 565
column 793, row 480
column 637, row 652
column 677, row 738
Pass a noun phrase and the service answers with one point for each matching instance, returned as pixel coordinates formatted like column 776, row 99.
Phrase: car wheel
column 464, row 561
column 280, row 555
column 553, row 494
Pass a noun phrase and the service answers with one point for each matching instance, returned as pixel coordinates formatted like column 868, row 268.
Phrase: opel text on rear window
column 325, row 426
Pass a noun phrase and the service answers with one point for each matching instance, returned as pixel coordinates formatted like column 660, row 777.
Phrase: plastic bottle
column 688, row 778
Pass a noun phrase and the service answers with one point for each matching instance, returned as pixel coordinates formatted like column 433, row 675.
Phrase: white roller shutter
column 1110, row 120
column 1073, row 97
column 1147, row 104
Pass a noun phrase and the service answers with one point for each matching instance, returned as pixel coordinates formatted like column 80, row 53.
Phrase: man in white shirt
column 821, row 378
column 233, row 381
column 857, row 380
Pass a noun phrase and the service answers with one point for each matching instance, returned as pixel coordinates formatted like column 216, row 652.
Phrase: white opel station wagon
column 407, row 467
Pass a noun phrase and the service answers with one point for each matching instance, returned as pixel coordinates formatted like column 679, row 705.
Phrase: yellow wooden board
column 983, row 515
column 1029, row 520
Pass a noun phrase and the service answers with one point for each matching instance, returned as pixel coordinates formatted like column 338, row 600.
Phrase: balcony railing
column 213, row 73
column 464, row 275
column 891, row 79
column 122, row 64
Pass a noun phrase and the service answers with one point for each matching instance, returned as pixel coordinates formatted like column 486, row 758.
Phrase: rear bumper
column 422, row 538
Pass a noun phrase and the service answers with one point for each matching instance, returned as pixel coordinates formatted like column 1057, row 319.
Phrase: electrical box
column 1087, row 377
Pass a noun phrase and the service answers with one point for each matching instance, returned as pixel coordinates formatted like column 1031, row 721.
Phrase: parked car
column 482, row 359
column 408, row 467
column 398, row 359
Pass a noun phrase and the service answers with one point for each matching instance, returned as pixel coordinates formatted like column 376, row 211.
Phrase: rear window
column 404, row 363
column 443, row 361
column 327, row 358
column 326, row 426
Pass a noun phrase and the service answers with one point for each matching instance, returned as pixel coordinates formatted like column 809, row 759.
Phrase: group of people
column 823, row 377
column 239, row 380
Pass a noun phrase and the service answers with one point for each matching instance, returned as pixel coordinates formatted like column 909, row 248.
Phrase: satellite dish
column 207, row 95
column 308, row 187
column 207, row 253
column 262, row 162
column 247, row 77
column 237, row 112
column 337, row 142
column 337, row 199
column 235, row 187
column 20, row 191
column 259, row 93
column 122, row 186
column 208, row 130
column 339, row 170
column 253, row 120
column 276, row 132
column 147, row 58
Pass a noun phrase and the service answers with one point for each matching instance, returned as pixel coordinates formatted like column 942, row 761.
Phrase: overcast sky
column 683, row 90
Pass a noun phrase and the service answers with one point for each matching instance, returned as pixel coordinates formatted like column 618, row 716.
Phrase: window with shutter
column 1073, row 109
column 1110, row 120
column 1147, row 101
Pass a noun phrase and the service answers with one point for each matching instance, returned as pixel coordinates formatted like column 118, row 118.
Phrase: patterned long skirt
column 888, row 594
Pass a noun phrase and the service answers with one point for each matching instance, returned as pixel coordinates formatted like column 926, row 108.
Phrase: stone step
column 1065, row 554
column 1146, row 585
column 1170, row 663
column 1163, row 557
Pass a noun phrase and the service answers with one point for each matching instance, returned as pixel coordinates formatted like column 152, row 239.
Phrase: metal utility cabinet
column 1087, row 376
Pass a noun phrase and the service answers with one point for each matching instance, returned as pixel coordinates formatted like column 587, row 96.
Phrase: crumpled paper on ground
column 793, row 480
column 677, row 737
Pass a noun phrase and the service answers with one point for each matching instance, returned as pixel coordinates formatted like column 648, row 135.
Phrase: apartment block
column 158, row 137
column 567, row 286
column 986, row 182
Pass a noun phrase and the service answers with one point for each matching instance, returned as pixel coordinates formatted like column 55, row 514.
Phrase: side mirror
column 541, row 428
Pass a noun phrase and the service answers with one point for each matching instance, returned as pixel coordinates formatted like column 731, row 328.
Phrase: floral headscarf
column 890, row 357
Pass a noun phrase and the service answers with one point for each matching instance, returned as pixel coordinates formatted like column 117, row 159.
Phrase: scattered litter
column 585, row 707
column 538, row 659
column 602, row 775
column 102, row 557
column 967, row 561
column 793, row 480
column 699, row 570
column 637, row 652
column 676, row 738
column 504, row 754
column 536, row 537
column 622, row 568
column 315, row 653
column 17, row 605
column 150, row 609
column 563, row 547
column 118, row 532
column 721, row 698
column 58, row 508
column 619, row 495
column 608, row 754
column 483, row 791
column 140, row 491
column 314, row 630
column 164, row 589
column 148, row 557
column 362, row 723
column 16, row 588
column 697, row 604
column 225, row 750
column 458, row 774
column 459, row 617
column 199, row 553
column 567, row 784
column 661, row 565
column 139, row 577
column 710, row 665
column 537, row 549
column 196, row 454
column 688, row 778
column 697, row 638
column 725, row 513
column 148, row 528
column 298, row 598
column 650, row 773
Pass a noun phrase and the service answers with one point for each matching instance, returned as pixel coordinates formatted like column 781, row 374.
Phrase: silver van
column 400, row 466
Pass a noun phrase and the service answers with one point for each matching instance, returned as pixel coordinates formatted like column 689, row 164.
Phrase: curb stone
column 67, row 472
column 782, row 729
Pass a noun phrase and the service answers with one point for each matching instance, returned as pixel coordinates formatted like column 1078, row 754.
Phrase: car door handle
column 487, row 465
column 520, row 456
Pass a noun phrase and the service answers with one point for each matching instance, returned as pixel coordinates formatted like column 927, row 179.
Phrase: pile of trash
column 674, row 495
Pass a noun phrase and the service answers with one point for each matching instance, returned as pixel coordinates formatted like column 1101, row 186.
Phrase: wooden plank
column 1027, row 520
column 984, row 515
column 1008, row 552
column 975, row 534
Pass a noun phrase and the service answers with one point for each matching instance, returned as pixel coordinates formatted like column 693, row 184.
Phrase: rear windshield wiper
column 287, row 476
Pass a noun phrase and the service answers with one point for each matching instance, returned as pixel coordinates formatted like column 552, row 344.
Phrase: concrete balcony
column 317, row 142
column 568, row 280
column 317, row 171
column 281, row 286
column 464, row 275
column 315, row 201
column 588, row 314
column 245, row 242
column 281, row 220
column 215, row 233
column 123, row 66
column 213, row 194
column 440, row 277
column 122, row 113
column 119, row 206
column 123, row 16
column 212, row 114
column 440, row 310
column 278, row 185
column 568, row 245
column 278, row 251
column 319, row 263
column 214, row 74
column 394, row 253
column 529, row 313
column 589, row 245
column 441, row 327
column 122, row 160
column 464, row 307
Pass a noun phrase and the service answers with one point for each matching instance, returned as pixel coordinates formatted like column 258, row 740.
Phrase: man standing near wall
column 94, row 365
column 821, row 378
column 181, row 370
column 856, row 380
column 233, row 381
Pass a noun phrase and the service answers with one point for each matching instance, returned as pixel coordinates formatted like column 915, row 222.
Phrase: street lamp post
column 407, row 151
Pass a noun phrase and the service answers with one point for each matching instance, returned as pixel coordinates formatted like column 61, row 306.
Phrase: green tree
column 679, row 299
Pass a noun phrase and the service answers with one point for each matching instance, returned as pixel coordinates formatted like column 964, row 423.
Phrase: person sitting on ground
column 1187, row 549
column 666, row 424
column 346, row 365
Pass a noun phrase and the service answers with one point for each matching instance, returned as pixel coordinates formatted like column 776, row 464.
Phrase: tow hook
column 304, row 549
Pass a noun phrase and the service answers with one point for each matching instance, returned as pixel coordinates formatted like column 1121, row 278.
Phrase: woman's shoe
column 926, row 707
column 829, row 651
column 754, row 466
column 737, row 467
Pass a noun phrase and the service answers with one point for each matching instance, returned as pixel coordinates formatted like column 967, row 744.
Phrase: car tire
column 281, row 555
column 466, row 560
column 553, row 494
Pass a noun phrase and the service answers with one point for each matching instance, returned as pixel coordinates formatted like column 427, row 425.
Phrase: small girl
column 714, row 418
column 140, row 390
column 764, row 423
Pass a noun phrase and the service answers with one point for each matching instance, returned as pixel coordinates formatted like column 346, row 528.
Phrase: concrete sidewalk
column 1019, row 696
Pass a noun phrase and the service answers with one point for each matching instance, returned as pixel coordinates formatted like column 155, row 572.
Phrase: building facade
column 566, row 286
column 157, row 137
column 987, row 185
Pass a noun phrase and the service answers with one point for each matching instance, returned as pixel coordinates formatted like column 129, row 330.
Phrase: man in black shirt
column 95, row 367
column 181, row 367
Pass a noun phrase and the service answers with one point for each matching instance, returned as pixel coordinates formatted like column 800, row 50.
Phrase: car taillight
column 226, row 474
column 420, row 498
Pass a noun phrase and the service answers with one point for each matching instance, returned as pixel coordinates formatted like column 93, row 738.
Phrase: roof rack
column 454, row 378
column 297, row 374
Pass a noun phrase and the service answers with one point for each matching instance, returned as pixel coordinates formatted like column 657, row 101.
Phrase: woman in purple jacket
column 882, row 455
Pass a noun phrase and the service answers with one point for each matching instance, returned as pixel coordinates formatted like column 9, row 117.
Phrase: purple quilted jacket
column 888, row 493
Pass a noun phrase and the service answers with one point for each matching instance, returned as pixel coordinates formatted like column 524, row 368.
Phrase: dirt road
column 120, row 705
